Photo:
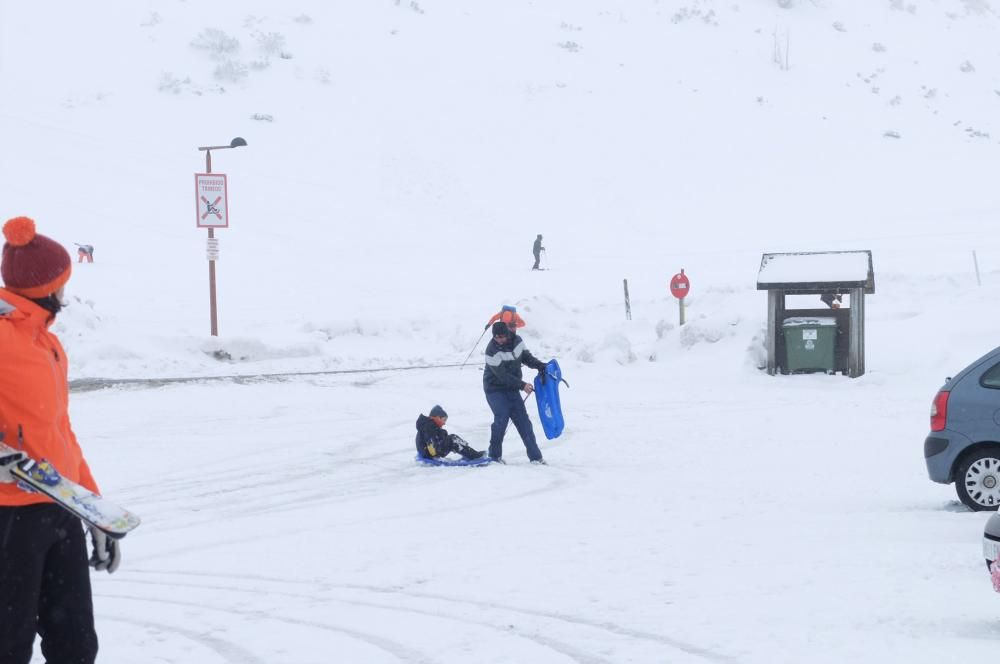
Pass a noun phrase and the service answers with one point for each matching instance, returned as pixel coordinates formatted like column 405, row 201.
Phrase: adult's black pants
column 45, row 586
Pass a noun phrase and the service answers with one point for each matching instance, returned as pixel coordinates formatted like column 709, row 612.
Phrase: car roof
column 989, row 359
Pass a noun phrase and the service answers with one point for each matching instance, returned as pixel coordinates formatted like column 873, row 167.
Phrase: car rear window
column 991, row 378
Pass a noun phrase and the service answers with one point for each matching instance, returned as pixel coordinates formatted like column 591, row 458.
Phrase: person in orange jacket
column 44, row 575
column 508, row 315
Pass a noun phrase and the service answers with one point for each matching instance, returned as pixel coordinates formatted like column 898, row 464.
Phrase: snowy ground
column 402, row 156
column 758, row 520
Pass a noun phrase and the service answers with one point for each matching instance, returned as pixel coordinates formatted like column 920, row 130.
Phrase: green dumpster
column 810, row 343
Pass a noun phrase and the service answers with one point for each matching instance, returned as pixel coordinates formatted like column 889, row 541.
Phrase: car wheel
column 977, row 479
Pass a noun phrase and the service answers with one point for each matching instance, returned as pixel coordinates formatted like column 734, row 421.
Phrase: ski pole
column 474, row 347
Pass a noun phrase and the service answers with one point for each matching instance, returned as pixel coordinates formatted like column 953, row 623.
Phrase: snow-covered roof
column 817, row 271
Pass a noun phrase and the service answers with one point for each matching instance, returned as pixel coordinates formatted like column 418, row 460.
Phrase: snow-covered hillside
column 401, row 158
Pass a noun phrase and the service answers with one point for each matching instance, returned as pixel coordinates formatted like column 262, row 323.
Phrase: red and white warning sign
column 680, row 285
column 211, row 200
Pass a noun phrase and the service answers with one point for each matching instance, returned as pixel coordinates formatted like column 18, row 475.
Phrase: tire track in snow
column 305, row 496
column 230, row 652
column 603, row 626
column 573, row 653
column 393, row 648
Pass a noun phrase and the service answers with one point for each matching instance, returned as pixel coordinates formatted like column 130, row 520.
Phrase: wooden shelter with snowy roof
column 829, row 274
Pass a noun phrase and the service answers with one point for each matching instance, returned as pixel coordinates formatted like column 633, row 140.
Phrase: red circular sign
column 679, row 285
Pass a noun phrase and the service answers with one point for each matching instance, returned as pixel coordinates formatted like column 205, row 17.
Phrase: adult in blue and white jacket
column 502, row 383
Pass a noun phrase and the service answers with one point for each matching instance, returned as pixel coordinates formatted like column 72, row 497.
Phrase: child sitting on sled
column 434, row 442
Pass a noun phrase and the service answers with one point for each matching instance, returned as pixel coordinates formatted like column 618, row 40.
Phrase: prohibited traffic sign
column 680, row 285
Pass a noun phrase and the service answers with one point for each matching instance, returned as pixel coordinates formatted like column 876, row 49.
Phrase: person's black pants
column 538, row 257
column 45, row 586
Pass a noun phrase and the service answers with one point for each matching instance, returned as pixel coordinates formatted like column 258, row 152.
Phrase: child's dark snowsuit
column 434, row 442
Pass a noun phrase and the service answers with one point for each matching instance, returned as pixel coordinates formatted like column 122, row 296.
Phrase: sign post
column 212, row 209
column 680, row 285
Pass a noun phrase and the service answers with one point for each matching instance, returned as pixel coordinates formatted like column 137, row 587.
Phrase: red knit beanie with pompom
column 33, row 265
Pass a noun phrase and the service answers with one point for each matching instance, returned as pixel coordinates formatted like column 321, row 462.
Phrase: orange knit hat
column 33, row 265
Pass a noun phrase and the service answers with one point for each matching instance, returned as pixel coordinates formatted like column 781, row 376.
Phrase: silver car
column 964, row 443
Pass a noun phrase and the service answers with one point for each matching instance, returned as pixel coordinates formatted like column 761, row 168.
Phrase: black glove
column 543, row 375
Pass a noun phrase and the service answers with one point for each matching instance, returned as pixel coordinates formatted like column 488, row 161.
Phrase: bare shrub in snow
column 786, row 4
column 977, row 6
column 967, row 67
column 231, row 71
column 262, row 117
column 570, row 46
column 304, row 19
column 153, row 19
column 270, row 43
column 416, row 7
column 685, row 14
column 216, row 43
column 891, row 134
column 878, row 48
column 839, row 27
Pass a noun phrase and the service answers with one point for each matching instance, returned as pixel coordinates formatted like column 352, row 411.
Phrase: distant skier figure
column 502, row 381
column 434, row 442
column 537, row 250
column 85, row 252
column 508, row 315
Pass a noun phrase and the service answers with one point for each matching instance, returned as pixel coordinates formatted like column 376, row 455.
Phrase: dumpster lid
column 810, row 321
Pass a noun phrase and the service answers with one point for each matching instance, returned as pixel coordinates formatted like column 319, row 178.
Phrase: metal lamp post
column 213, row 302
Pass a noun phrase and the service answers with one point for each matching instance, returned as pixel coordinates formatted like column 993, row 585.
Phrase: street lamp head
column 237, row 143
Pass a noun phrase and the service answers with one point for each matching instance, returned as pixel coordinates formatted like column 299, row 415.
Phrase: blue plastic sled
column 547, row 398
column 427, row 461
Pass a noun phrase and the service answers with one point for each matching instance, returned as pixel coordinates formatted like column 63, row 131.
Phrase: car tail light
column 939, row 411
